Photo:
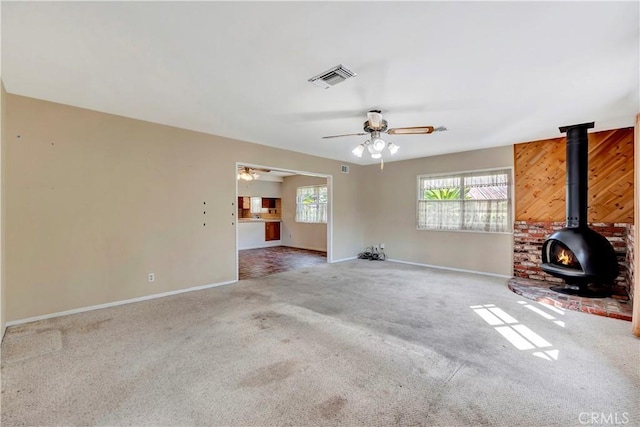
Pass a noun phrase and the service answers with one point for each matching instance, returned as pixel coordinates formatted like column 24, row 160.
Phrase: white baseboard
column 343, row 259
column 262, row 245
column 114, row 304
column 460, row 270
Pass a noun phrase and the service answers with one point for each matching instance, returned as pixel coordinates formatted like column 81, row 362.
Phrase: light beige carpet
column 353, row 343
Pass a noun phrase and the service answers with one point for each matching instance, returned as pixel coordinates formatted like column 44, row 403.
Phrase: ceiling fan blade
column 375, row 119
column 346, row 134
column 416, row 130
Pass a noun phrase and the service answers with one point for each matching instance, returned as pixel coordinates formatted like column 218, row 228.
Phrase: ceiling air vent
column 332, row 77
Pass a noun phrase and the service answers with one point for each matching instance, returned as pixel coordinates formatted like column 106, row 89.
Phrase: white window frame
column 461, row 174
column 321, row 209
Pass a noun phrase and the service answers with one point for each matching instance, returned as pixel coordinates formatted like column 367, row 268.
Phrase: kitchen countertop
column 259, row 220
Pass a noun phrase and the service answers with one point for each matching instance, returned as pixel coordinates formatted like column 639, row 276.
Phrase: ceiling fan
column 249, row 174
column 376, row 125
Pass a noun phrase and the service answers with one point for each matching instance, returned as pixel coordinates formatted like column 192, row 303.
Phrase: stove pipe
column 577, row 174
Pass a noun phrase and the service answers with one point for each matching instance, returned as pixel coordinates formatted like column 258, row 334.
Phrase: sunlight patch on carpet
column 519, row 335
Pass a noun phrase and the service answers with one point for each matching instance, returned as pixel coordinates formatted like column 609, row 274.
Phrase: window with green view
column 474, row 201
column 311, row 204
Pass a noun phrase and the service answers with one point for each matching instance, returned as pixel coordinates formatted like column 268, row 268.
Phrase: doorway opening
column 284, row 219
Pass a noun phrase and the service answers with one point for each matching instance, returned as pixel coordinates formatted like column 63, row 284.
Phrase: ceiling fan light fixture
column 378, row 145
column 375, row 126
column 358, row 150
column 247, row 174
column 393, row 148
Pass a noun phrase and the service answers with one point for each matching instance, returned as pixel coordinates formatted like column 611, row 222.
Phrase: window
column 256, row 205
column 475, row 201
column 311, row 204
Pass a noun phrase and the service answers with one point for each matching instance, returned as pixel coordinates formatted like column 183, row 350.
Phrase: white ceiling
column 494, row 73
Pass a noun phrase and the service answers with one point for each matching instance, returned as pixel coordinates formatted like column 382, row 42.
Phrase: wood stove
column 582, row 257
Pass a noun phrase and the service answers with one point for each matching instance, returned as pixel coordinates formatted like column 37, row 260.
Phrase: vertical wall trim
column 3, row 124
column 330, row 219
column 635, row 321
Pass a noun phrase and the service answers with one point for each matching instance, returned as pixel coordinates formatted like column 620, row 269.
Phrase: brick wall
column 529, row 236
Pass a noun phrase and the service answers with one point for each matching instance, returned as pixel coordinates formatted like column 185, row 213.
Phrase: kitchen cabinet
column 271, row 231
column 244, row 202
column 268, row 203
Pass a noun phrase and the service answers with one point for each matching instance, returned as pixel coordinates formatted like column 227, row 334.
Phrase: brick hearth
column 539, row 291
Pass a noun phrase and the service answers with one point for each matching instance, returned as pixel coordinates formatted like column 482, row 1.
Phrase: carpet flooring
column 352, row 343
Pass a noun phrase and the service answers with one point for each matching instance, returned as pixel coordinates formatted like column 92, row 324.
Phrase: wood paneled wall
column 540, row 178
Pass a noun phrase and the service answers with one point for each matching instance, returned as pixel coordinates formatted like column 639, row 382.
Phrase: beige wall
column 95, row 202
column 389, row 200
column 3, row 300
column 298, row 234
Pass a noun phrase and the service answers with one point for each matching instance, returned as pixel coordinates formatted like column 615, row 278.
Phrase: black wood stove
column 582, row 257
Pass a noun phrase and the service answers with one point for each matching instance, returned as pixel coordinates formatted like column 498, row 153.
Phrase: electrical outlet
column 381, row 245
column 152, row 277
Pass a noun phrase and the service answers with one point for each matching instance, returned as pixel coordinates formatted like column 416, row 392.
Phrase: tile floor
column 539, row 291
column 261, row 262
